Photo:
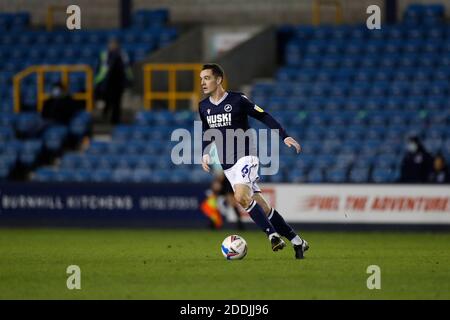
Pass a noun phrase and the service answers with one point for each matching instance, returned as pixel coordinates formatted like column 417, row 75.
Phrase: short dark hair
column 215, row 68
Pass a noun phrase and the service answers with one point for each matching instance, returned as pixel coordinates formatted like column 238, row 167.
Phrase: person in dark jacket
column 440, row 173
column 114, row 75
column 60, row 107
column 417, row 162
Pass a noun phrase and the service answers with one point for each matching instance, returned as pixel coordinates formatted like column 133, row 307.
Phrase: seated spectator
column 440, row 173
column 417, row 162
column 60, row 108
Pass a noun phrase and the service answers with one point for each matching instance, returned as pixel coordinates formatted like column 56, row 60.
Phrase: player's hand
column 289, row 141
column 206, row 160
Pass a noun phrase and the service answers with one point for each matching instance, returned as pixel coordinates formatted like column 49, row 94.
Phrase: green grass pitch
column 178, row 264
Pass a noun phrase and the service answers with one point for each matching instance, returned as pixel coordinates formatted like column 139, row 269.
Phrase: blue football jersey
column 227, row 116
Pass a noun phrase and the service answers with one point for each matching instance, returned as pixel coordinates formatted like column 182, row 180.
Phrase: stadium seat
column 102, row 175
column 315, row 176
column 359, row 175
column 54, row 138
column 336, row 175
column 384, row 175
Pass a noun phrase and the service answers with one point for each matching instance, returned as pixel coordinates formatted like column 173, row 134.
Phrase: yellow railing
column 40, row 70
column 51, row 9
column 172, row 95
column 316, row 6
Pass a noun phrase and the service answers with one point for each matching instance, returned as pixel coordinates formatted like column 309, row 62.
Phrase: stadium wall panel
column 101, row 204
column 361, row 204
column 105, row 13
column 256, row 11
column 242, row 65
column 312, row 206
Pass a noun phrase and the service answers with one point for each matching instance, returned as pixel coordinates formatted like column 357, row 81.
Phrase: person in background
column 60, row 107
column 113, row 76
column 417, row 162
column 223, row 188
column 440, row 172
column 220, row 196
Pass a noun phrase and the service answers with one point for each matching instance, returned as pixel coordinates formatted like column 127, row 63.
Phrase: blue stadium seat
column 439, row 88
column 44, row 174
column 134, row 148
column 359, row 175
column 147, row 161
column 141, row 175
column 355, row 132
column 30, row 151
column 387, row 160
column 179, row 175
column 6, row 133
column 102, row 175
column 345, row 160
column 329, row 146
column 392, row 146
column 297, row 176
column 324, row 161
column 54, row 138
column 350, row 146
column 122, row 175
column 336, row 175
column 375, row 117
column 394, row 133
column 198, row 176
column 127, row 162
column 316, row 176
column 335, row 132
column 379, row 88
column 311, row 146
column 28, row 124
column 80, row 125
column 370, row 147
column 122, row 133
column 89, row 162
column 365, row 161
column 384, row 175
column 359, row 33
column 414, row 103
column 434, row 145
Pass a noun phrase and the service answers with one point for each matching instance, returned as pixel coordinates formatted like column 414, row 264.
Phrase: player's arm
column 206, row 158
column 258, row 113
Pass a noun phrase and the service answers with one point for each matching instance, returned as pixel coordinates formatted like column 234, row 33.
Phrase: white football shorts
column 244, row 171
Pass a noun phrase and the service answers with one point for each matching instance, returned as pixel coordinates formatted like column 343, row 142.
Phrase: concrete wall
column 255, row 11
column 252, row 59
column 105, row 14
column 94, row 13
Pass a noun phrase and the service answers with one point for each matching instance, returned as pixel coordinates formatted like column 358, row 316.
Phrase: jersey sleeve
column 258, row 113
column 205, row 127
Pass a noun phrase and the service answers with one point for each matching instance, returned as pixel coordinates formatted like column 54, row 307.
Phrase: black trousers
column 113, row 105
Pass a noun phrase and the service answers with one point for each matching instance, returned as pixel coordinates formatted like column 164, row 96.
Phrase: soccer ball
column 234, row 247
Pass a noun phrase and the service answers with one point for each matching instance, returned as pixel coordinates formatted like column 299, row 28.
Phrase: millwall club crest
column 228, row 108
column 209, row 110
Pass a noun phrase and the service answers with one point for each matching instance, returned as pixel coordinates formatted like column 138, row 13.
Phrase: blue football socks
column 259, row 217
